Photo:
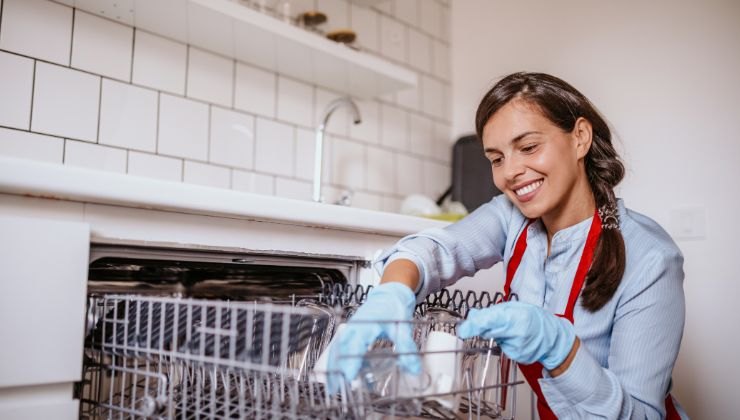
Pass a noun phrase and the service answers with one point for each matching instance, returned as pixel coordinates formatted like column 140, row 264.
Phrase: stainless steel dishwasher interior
column 215, row 275
column 182, row 333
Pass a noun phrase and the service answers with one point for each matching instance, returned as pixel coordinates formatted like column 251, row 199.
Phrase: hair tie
column 609, row 216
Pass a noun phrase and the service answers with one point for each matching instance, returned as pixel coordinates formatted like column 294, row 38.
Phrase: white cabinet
column 43, row 276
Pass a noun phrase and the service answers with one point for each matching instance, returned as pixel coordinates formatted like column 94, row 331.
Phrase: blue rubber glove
column 386, row 302
column 525, row 332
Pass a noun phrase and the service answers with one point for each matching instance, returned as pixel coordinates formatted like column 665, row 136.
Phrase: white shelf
column 237, row 31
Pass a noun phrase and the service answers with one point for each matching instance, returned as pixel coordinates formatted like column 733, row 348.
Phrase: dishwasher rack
column 169, row 357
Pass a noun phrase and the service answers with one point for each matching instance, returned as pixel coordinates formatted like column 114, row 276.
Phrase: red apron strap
column 516, row 258
column 533, row 372
column 583, row 266
column 671, row 413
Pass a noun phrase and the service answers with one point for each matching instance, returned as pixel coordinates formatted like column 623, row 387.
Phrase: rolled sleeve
column 445, row 255
column 583, row 382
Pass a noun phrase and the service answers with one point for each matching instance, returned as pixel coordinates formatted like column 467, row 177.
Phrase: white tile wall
column 433, row 97
column 94, row 156
column 348, row 164
column 365, row 23
column 293, row 188
column 381, row 170
column 407, row 11
column 295, row 102
column 16, row 85
column 337, row 12
column 390, row 204
column 275, row 147
column 232, row 138
column 37, row 28
column 210, row 77
column 183, row 127
column 299, row 6
column 255, row 90
column 392, row 39
column 331, row 194
column 368, row 130
column 153, row 166
column 385, row 6
column 159, row 63
column 208, row 175
column 65, row 102
column 444, row 26
column 420, row 51
column 172, row 111
column 420, row 135
column 253, row 182
column 409, row 174
column 366, row 201
column 102, row 46
column 437, row 178
column 305, row 152
column 443, row 142
column 128, row 116
column 430, row 17
column 394, row 127
column 441, row 60
column 446, row 110
column 409, row 98
column 25, row 145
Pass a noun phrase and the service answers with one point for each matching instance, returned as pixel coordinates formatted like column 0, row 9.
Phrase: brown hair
column 562, row 104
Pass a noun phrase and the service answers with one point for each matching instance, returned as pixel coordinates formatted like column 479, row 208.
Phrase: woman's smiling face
column 535, row 163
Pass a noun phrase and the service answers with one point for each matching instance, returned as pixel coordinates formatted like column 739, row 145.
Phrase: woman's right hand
column 385, row 303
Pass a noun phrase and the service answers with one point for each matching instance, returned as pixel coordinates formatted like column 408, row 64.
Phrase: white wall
column 78, row 89
column 666, row 74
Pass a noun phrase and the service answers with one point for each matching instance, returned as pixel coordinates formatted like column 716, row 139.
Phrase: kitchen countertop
column 67, row 183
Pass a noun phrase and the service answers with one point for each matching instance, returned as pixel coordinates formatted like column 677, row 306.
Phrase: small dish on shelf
column 345, row 36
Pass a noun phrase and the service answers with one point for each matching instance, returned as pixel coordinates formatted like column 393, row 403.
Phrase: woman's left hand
column 525, row 332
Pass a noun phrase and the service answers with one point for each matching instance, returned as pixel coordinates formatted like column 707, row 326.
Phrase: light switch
column 688, row 223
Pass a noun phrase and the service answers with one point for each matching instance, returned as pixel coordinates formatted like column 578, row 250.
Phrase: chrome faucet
column 319, row 158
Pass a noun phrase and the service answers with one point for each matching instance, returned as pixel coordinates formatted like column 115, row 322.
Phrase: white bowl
column 419, row 205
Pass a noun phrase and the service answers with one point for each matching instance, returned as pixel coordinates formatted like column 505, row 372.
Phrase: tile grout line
column 2, row 6
column 187, row 69
column 208, row 133
column 156, row 134
column 33, row 93
column 133, row 49
column 100, row 109
column 233, row 84
column 72, row 38
column 253, row 163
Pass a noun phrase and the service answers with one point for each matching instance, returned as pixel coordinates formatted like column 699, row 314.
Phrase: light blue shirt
column 628, row 347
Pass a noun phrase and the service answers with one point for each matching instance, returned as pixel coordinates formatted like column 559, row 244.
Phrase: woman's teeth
column 529, row 188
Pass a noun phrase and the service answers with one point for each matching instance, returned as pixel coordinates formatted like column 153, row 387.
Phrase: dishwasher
column 188, row 334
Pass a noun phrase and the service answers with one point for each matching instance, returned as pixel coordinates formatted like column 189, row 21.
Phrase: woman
column 600, row 315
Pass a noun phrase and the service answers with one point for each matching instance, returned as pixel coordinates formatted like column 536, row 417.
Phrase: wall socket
column 688, row 223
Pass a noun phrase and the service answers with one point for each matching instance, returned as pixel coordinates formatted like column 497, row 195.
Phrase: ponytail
column 604, row 171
